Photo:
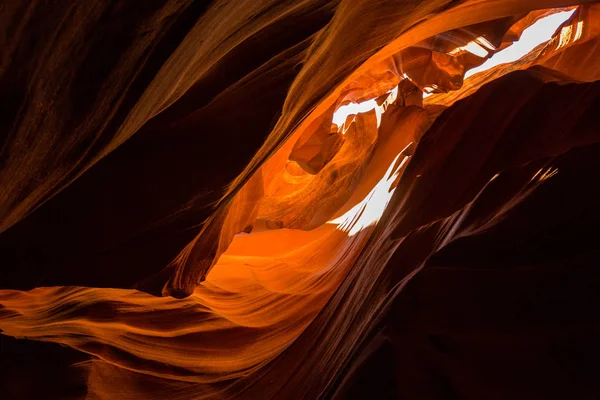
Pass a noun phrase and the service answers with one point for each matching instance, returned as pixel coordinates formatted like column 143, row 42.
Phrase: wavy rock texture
column 180, row 212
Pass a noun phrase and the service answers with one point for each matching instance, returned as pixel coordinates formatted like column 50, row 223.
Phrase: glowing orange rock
column 300, row 258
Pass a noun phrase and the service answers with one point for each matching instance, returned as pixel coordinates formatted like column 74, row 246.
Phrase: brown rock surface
column 179, row 211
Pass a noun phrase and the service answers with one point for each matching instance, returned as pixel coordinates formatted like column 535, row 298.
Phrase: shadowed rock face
column 181, row 217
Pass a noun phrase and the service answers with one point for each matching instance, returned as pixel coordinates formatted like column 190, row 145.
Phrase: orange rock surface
column 182, row 209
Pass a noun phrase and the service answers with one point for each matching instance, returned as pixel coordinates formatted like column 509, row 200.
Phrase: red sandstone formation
column 187, row 211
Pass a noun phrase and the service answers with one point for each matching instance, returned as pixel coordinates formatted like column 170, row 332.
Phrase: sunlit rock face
column 300, row 200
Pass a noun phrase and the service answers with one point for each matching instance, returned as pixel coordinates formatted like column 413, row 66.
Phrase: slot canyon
column 299, row 199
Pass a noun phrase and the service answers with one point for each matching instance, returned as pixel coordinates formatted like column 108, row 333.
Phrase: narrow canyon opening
column 306, row 230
